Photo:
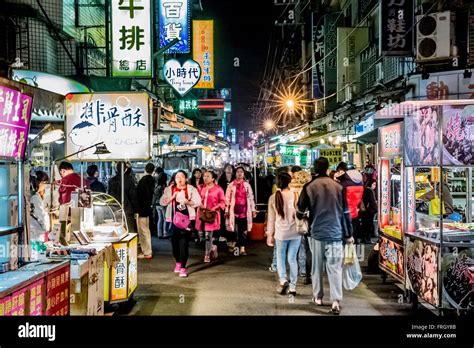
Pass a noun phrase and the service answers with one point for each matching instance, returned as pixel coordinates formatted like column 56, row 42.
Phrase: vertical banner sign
column 411, row 204
column 131, row 38
column 120, row 273
column 132, row 265
column 15, row 111
column 175, row 16
column 317, row 55
column 329, row 72
column 397, row 20
column 384, row 218
column 203, row 51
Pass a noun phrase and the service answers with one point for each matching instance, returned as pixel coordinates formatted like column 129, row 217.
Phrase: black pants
column 180, row 243
column 131, row 223
column 240, row 232
column 356, row 229
column 367, row 220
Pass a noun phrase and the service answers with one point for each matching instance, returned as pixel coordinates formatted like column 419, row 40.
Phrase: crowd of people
column 309, row 216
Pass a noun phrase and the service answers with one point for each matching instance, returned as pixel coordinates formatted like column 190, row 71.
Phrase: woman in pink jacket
column 240, row 210
column 213, row 198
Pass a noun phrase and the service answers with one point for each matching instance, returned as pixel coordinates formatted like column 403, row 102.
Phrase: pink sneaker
column 183, row 273
column 207, row 259
column 177, row 269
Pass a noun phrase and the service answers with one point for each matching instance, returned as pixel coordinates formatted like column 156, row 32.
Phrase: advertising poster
column 132, row 266
column 422, row 270
column 131, row 38
column 422, row 137
column 391, row 257
column 411, row 201
column 334, row 156
column 458, row 278
column 458, row 135
column 15, row 112
column 120, row 120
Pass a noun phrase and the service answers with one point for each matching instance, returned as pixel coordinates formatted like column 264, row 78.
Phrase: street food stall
column 438, row 223
column 389, row 188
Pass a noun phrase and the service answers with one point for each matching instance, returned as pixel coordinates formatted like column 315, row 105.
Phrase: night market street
column 244, row 286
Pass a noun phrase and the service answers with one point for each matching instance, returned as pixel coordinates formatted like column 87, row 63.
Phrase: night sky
column 242, row 29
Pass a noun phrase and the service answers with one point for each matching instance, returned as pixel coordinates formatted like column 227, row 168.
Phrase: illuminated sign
column 182, row 77
column 131, row 38
column 384, row 218
column 49, row 82
column 390, row 140
column 411, row 203
column 203, row 51
column 334, row 156
column 119, row 273
column 186, row 105
column 391, row 257
column 120, row 120
column 174, row 24
column 132, row 265
column 15, row 112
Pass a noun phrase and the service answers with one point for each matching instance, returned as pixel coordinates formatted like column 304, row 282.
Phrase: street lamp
column 290, row 104
column 269, row 124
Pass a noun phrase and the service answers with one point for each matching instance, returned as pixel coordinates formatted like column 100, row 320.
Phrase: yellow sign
column 132, row 265
column 334, row 156
column 120, row 273
column 203, row 52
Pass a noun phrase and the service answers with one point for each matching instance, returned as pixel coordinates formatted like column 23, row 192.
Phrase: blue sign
column 175, row 23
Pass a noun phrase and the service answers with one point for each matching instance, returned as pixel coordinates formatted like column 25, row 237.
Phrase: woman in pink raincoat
column 213, row 198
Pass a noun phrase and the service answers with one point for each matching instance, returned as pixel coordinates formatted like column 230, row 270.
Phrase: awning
column 372, row 136
column 315, row 138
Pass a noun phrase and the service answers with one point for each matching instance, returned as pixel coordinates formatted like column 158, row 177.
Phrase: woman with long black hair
column 281, row 229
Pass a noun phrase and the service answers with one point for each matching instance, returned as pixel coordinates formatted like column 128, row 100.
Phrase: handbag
column 181, row 220
column 302, row 226
column 206, row 215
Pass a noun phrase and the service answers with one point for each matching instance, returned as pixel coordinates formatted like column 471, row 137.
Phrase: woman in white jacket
column 281, row 229
column 181, row 201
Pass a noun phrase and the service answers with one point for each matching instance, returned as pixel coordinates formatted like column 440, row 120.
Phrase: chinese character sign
column 384, row 218
column 411, row 203
column 131, row 38
column 174, row 20
column 203, row 51
column 182, row 77
column 119, row 277
column 334, row 156
column 458, row 134
column 15, row 111
column 120, row 120
column 390, row 140
column 132, row 266
column 397, row 23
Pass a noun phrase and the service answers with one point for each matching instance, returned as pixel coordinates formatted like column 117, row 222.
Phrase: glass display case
column 104, row 222
column 438, row 214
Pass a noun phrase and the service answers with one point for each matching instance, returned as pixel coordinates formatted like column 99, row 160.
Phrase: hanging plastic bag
column 351, row 272
column 435, row 206
column 350, row 254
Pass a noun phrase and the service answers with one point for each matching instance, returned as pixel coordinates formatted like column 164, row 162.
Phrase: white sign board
column 182, row 77
column 121, row 120
column 131, row 38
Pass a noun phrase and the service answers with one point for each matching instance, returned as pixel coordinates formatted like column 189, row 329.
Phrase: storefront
column 439, row 229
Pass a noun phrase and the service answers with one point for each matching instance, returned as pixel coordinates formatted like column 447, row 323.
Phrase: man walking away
column 330, row 224
column 145, row 189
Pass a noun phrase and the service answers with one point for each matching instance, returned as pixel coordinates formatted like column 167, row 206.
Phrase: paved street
column 243, row 286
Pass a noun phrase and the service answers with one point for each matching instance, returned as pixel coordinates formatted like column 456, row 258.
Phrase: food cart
column 439, row 229
column 390, row 167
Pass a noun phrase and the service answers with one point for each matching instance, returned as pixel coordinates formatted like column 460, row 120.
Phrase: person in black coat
column 371, row 209
column 130, row 193
column 93, row 179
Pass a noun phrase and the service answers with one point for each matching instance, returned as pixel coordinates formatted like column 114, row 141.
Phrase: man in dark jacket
column 329, row 222
column 145, row 189
column 130, row 193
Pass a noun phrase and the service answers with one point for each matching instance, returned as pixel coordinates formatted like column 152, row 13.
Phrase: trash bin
column 258, row 226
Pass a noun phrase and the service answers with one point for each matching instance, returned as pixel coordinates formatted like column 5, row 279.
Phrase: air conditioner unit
column 379, row 72
column 435, row 36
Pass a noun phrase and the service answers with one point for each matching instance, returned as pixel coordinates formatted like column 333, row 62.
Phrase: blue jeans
column 161, row 226
column 274, row 261
column 287, row 249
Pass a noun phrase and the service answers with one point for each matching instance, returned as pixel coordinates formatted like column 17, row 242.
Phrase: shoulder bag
column 206, row 215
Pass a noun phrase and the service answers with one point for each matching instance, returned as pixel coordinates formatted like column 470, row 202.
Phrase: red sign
column 411, row 203
column 384, row 218
column 390, row 140
column 15, row 112
column 210, row 104
column 57, row 294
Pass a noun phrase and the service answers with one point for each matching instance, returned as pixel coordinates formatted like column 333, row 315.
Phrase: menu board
column 15, row 112
column 57, row 293
column 458, row 135
column 422, row 270
column 391, row 257
column 422, row 137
